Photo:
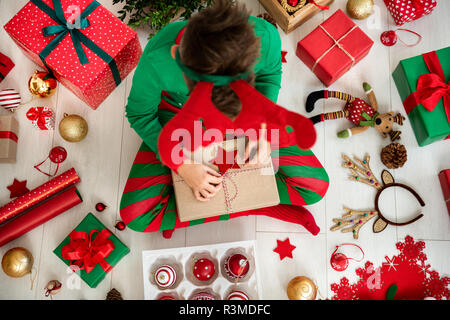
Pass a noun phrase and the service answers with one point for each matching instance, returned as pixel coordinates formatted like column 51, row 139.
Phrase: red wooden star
column 284, row 249
column 283, row 56
column 18, row 188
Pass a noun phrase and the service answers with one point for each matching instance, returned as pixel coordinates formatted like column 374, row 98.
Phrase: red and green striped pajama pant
column 148, row 201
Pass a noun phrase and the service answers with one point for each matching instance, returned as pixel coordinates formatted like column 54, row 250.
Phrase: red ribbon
column 39, row 115
column 9, row 135
column 431, row 87
column 86, row 253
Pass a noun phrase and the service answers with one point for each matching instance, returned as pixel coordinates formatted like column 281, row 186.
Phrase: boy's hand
column 204, row 181
column 262, row 147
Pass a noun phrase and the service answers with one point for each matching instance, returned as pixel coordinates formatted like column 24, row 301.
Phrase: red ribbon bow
column 85, row 252
column 40, row 115
column 431, row 87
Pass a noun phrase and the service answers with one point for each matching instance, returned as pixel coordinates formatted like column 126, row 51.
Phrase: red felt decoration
column 283, row 56
column 17, row 188
column 284, row 249
column 408, row 270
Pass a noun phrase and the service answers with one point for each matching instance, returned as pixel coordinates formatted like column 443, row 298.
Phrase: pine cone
column 268, row 18
column 394, row 155
column 113, row 294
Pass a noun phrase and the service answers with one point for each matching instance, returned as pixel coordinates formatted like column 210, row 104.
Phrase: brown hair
column 220, row 40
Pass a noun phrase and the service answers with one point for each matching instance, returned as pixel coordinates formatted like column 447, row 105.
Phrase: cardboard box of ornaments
column 289, row 14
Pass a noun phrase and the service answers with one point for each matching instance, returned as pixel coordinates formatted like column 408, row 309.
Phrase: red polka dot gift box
column 88, row 49
column 404, row 11
column 334, row 47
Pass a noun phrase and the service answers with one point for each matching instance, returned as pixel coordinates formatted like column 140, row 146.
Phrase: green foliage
column 157, row 13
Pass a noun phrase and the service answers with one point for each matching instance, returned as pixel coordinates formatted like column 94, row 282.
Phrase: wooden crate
column 289, row 22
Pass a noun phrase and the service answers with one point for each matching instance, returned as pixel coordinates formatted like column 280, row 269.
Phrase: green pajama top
column 157, row 71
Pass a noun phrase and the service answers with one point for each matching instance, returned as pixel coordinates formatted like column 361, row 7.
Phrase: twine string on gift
column 337, row 44
column 64, row 28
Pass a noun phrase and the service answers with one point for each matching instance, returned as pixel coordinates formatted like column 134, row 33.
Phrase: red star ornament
column 18, row 188
column 283, row 56
column 284, row 249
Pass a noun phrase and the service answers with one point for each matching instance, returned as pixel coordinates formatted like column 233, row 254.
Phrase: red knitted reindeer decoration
column 364, row 115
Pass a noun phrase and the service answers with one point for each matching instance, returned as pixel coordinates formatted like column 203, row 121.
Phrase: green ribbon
column 370, row 121
column 63, row 28
column 218, row 80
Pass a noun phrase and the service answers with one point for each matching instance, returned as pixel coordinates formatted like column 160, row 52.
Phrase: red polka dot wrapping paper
column 404, row 11
column 92, row 82
column 329, row 49
column 38, row 195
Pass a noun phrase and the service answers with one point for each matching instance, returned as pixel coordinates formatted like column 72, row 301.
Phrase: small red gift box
column 5, row 66
column 408, row 10
column 444, row 178
column 89, row 50
column 333, row 47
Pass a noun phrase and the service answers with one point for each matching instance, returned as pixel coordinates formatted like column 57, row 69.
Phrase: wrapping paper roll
column 38, row 195
column 38, row 215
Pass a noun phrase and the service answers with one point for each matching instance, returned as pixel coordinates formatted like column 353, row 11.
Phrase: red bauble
column 57, row 155
column 237, row 266
column 100, row 207
column 339, row 261
column 120, row 225
column 203, row 296
column 167, row 298
column 203, row 269
column 388, row 38
column 292, row 3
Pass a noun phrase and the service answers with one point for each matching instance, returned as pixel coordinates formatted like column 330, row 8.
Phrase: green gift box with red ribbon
column 423, row 84
column 91, row 250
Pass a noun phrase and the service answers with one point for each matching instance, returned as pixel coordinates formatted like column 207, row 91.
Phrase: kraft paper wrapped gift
column 9, row 129
column 242, row 189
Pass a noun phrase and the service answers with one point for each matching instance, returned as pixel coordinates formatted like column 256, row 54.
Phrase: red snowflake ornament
column 407, row 270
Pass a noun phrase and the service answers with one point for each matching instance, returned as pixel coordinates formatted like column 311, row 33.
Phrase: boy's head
column 220, row 40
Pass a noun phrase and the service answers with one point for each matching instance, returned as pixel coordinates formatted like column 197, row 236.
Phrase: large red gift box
column 6, row 65
column 444, row 178
column 408, row 10
column 333, row 47
column 89, row 50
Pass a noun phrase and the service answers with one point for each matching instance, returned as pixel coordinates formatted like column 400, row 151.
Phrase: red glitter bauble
column 203, row 269
column 57, row 155
column 237, row 265
column 388, row 38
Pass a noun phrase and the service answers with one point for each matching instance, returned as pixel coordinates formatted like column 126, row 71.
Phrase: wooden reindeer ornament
column 355, row 219
column 362, row 114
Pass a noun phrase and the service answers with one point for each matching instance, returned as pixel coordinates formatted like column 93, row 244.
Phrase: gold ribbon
column 336, row 43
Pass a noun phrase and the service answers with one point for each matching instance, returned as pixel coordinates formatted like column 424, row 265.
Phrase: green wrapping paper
column 97, row 274
column 428, row 126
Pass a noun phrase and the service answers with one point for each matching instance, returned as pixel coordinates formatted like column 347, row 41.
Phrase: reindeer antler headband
column 361, row 172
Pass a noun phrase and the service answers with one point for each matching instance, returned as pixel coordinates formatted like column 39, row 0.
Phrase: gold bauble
column 359, row 9
column 42, row 84
column 301, row 288
column 17, row 262
column 73, row 128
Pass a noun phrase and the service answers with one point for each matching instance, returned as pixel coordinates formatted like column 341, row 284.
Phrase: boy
column 219, row 40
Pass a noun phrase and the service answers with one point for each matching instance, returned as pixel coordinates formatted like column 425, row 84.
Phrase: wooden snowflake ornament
column 354, row 220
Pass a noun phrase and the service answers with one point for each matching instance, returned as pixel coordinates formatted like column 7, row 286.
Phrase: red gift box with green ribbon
column 88, row 49
column 6, row 65
column 423, row 84
column 91, row 250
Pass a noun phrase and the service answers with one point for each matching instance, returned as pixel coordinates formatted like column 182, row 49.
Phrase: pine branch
column 353, row 218
column 361, row 171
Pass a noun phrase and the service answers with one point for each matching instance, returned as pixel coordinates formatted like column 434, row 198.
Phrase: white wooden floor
column 104, row 158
